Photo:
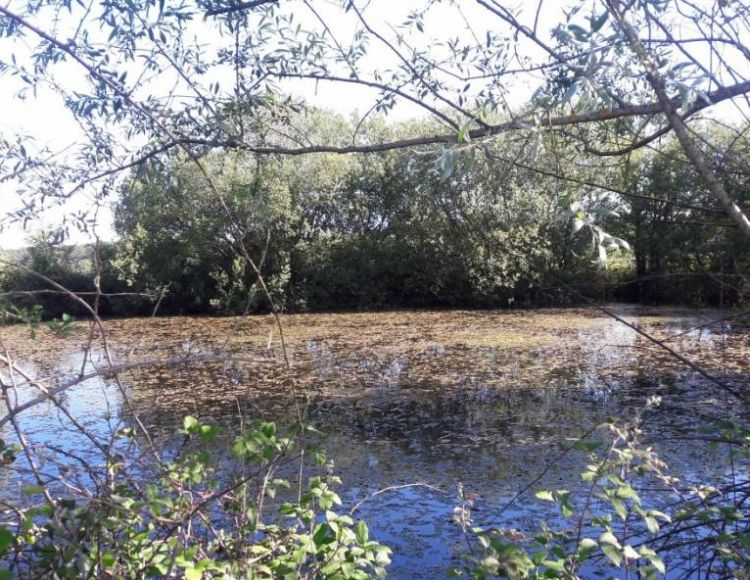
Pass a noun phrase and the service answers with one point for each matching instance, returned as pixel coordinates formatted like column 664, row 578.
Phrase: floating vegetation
column 482, row 398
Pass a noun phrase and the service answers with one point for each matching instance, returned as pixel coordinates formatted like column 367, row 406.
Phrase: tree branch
column 239, row 7
column 669, row 108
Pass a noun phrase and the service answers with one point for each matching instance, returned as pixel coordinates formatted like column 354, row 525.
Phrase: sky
column 45, row 122
column 44, row 118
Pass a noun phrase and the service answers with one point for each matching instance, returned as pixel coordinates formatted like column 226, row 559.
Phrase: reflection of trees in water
column 577, row 396
column 477, row 389
column 485, row 409
column 430, row 386
column 401, row 414
column 463, row 427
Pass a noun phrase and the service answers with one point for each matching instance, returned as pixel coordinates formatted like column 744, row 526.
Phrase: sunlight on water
column 481, row 398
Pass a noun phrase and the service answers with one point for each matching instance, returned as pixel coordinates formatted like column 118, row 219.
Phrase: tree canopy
column 271, row 155
column 143, row 79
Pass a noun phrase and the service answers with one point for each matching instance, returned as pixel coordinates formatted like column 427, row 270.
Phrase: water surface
column 486, row 400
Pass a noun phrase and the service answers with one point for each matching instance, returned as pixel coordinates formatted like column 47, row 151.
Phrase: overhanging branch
column 239, row 7
column 653, row 108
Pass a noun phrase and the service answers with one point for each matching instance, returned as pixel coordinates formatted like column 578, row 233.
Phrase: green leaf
column 545, row 495
column 598, row 22
column 189, row 423
column 609, row 538
column 6, row 539
column 556, row 565
column 208, row 432
column 32, row 490
column 323, row 535
column 362, row 533
column 619, row 507
column 630, row 553
column 579, row 32
column 108, row 560
column 612, row 553
column 583, row 445
column 657, row 563
column 565, row 509
column 268, row 429
column 660, row 515
column 627, row 492
column 586, row 547
column 463, row 135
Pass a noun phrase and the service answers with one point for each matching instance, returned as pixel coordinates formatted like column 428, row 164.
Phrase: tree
column 618, row 65
column 175, row 237
column 671, row 242
column 183, row 104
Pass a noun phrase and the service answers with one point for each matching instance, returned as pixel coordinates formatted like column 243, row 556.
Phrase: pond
column 423, row 402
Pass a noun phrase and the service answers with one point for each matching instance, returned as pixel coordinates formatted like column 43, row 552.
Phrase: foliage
column 392, row 230
column 182, row 522
column 46, row 273
column 215, row 217
column 609, row 526
column 395, row 230
column 378, row 231
column 673, row 245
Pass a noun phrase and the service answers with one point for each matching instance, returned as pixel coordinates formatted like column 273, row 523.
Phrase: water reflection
column 485, row 399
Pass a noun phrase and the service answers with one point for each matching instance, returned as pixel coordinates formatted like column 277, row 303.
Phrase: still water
column 485, row 400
